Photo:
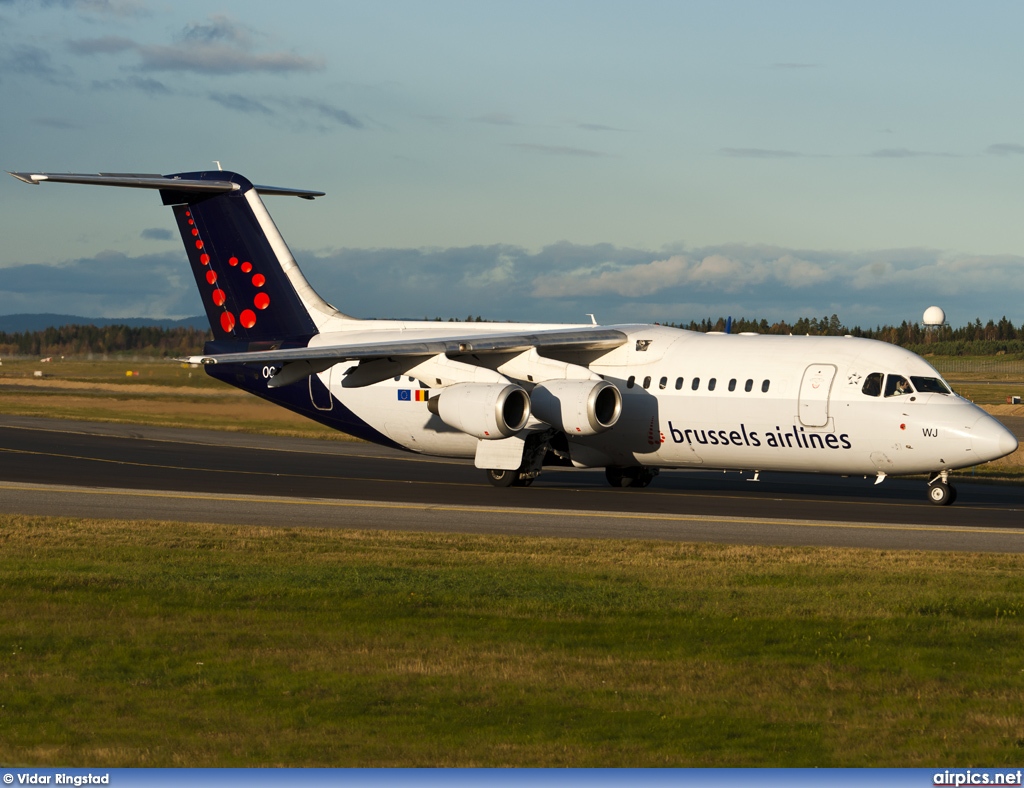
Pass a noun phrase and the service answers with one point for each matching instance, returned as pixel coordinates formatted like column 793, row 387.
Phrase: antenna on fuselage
column 593, row 320
column 218, row 165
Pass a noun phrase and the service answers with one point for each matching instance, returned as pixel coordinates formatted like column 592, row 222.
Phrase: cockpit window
column 873, row 384
column 930, row 385
column 897, row 385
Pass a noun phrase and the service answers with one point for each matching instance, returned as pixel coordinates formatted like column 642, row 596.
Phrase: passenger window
column 647, row 382
column 679, row 383
column 662, row 383
column 711, row 384
column 696, row 384
column 631, row 381
column 873, row 384
column 897, row 386
column 749, row 385
column 732, row 384
column 765, row 385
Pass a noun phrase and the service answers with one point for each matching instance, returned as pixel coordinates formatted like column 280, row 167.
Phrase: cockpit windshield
column 873, row 384
column 897, row 386
column 930, row 385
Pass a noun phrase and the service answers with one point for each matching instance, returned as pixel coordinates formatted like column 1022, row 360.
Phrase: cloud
column 25, row 60
column 157, row 234
column 794, row 66
column 326, row 111
column 562, row 282
column 296, row 109
column 115, row 8
column 759, row 153
column 104, row 45
column 220, row 28
column 106, row 285
column 222, row 59
column 151, row 87
column 218, row 47
column 556, row 150
column 239, row 103
column 1005, row 149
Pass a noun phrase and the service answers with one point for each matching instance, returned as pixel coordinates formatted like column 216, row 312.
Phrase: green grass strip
column 166, row 644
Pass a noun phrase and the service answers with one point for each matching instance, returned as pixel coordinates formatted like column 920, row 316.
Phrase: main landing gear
column 629, row 477
column 516, row 478
column 940, row 491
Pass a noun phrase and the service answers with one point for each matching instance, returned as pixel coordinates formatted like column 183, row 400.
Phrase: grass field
column 164, row 393
column 159, row 644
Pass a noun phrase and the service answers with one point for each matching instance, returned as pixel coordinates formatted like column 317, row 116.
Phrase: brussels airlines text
column 792, row 438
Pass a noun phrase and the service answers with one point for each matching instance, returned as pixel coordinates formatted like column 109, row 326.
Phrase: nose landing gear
column 940, row 491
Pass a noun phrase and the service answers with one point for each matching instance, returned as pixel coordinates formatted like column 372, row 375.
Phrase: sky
column 642, row 161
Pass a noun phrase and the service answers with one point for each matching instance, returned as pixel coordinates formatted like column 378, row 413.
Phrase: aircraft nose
column 991, row 440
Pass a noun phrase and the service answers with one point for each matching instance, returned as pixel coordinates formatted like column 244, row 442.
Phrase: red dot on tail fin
column 232, row 261
column 227, row 322
column 204, row 258
column 211, row 276
column 199, row 244
column 261, row 301
column 246, row 267
column 247, row 318
column 259, row 280
column 219, row 297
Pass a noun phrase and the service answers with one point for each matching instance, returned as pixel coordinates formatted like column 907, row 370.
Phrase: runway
column 82, row 469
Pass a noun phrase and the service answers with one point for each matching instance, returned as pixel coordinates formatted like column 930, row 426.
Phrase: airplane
column 632, row 399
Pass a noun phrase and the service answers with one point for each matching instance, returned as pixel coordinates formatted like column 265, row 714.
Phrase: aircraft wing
column 381, row 360
column 582, row 338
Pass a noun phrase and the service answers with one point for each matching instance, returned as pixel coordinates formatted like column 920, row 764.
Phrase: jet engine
column 489, row 411
column 577, row 407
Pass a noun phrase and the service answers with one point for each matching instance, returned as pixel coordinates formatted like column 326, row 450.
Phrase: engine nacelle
column 489, row 411
column 577, row 407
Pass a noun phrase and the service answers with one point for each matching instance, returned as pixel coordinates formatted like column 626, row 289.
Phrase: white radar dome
column 934, row 316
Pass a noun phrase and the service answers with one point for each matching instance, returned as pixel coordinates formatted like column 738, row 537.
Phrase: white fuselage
column 754, row 402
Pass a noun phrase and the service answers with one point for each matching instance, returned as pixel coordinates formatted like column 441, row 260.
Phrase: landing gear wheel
column 629, row 477
column 615, row 477
column 941, row 494
column 502, row 478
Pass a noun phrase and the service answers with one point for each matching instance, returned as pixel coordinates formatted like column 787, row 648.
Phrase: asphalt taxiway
column 82, row 469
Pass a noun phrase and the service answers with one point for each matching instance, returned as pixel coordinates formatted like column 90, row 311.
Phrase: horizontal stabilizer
column 162, row 182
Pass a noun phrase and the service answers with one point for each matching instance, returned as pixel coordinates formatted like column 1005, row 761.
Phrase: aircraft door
column 812, row 407
column 320, row 390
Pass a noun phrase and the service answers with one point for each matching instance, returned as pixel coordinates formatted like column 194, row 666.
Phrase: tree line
column 974, row 339
column 84, row 340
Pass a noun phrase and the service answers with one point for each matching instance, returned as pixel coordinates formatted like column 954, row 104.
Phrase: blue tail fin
column 251, row 287
column 247, row 294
